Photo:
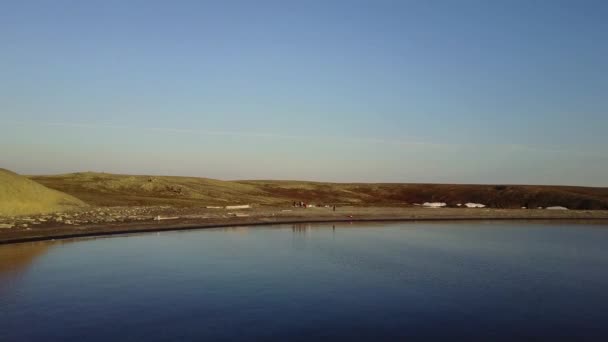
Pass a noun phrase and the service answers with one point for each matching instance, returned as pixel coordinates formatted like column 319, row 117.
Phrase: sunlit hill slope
column 105, row 189
column 22, row 196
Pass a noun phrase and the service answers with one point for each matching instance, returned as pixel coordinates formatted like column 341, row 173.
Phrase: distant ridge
column 106, row 189
column 22, row 196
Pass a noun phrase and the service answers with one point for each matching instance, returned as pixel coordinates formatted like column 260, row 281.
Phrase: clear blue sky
column 378, row 91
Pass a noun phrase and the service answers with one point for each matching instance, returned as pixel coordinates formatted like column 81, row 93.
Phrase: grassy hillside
column 22, row 196
column 105, row 189
column 496, row 196
column 109, row 189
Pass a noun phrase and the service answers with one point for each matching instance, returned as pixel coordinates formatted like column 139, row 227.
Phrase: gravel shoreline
column 128, row 220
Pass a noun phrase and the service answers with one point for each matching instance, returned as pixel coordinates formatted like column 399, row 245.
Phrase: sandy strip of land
column 197, row 218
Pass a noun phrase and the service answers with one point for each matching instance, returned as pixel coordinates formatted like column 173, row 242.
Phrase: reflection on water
column 362, row 281
column 306, row 228
column 14, row 259
column 240, row 230
column 303, row 229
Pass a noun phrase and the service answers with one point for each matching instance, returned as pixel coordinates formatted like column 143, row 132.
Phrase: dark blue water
column 455, row 281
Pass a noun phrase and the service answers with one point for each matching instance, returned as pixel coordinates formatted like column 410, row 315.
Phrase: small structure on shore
column 434, row 204
column 241, row 206
column 475, row 205
column 160, row 218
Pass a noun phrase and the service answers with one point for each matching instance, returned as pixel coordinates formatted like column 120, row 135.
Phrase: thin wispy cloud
column 341, row 139
column 195, row 131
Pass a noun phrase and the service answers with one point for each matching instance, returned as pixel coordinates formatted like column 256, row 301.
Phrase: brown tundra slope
column 105, row 189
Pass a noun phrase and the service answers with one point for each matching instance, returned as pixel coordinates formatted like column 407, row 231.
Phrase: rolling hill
column 103, row 189
column 22, row 196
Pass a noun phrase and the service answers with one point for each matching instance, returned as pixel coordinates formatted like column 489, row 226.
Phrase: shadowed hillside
column 22, row 196
column 109, row 190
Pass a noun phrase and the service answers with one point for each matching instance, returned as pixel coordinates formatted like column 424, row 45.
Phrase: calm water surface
column 308, row 282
